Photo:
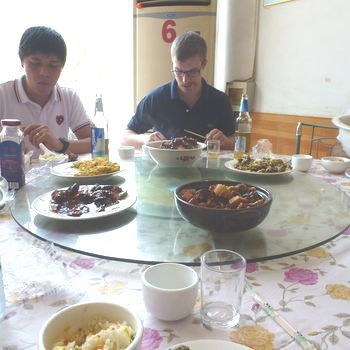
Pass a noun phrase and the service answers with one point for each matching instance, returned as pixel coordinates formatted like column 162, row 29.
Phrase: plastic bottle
column 2, row 295
column 244, row 129
column 99, row 132
column 12, row 153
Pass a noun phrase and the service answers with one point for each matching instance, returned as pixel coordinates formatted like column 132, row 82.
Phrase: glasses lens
column 190, row 73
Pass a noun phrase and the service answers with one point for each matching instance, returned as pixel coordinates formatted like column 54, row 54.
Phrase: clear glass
column 305, row 212
column 222, row 286
column 213, row 148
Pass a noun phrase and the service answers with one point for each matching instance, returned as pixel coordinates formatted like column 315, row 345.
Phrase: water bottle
column 2, row 295
column 12, row 153
column 244, row 129
column 99, row 132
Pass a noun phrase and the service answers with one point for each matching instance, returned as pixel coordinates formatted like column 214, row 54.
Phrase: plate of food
column 262, row 167
column 95, row 168
column 209, row 344
column 81, row 202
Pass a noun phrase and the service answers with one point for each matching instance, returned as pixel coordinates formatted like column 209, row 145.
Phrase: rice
column 100, row 334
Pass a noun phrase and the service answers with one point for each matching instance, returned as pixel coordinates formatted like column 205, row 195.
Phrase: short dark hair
column 188, row 45
column 44, row 40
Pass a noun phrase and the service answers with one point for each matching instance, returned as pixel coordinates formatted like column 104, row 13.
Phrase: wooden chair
column 322, row 140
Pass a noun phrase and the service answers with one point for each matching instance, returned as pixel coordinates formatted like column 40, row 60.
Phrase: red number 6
column 169, row 33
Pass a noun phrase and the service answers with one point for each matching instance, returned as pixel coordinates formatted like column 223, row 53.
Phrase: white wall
column 303, row 58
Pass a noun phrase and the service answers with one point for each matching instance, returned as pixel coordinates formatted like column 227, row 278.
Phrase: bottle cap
column 10, row 122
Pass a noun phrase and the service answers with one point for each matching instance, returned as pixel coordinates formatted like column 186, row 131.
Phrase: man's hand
column 42, row 134
column 156, row 136
column 226, row 142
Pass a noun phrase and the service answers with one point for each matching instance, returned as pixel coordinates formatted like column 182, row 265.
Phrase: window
column 99, row 38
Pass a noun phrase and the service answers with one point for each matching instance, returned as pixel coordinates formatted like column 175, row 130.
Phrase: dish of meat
column 83, row 202
column 179, row 143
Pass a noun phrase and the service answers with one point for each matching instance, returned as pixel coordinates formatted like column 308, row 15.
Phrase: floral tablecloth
column 311, row 290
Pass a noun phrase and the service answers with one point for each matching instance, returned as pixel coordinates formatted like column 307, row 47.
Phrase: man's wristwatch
column 65, row 144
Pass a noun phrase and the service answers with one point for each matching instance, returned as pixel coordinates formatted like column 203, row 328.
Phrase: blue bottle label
column 97, row 142
column 12, row 163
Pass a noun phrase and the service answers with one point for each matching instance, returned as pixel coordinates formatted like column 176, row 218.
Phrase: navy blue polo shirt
column 162, row 110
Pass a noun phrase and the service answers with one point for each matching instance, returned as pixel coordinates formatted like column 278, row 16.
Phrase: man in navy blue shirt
column 186, row 103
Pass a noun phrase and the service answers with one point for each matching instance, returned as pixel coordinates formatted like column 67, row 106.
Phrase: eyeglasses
column 192, row 73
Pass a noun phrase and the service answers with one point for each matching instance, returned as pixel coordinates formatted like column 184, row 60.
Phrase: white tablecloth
column 311, row 290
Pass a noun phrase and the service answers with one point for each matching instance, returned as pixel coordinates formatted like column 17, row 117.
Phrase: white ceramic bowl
column 343, row 123
column 52, row 160
column 335, row 165
column 126, row 152
column 169, row 290
column 78, row 315
column 301, row 162
column 173, row 157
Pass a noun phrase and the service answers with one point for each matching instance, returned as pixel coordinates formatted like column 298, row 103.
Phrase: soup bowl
column 173, row 157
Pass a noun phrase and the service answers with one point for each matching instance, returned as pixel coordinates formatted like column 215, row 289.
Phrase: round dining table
column 298, row 257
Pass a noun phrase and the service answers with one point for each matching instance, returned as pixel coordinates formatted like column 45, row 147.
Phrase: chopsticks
column 287, row 327
column 195, row 134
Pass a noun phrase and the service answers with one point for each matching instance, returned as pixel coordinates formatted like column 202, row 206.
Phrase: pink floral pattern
column 151, row 339
column 82, row 263
column 252, row 267
column 302, row 276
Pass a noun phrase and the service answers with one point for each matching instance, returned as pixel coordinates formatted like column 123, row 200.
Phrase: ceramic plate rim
column 71, row 176
column 230, row 162
column 126, row 204
column 207, row 344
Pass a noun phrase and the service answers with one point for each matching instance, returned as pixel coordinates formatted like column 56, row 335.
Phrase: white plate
column 231, row 165
column 211, row 344
column 41, row 205
column 67, row 170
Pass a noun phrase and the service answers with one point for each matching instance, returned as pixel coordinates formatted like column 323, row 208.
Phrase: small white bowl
column 169, row 290
column 336, row 165
column 173, row 157
column 52, row 159
column 126, row 152
column 78, row 315
column 301, row 162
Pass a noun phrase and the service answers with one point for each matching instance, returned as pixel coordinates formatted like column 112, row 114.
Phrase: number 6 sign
column 168, row 31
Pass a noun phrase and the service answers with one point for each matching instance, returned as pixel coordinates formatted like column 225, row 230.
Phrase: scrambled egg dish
column 96, row 166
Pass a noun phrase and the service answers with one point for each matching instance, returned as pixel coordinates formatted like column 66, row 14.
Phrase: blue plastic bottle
column 12, row 153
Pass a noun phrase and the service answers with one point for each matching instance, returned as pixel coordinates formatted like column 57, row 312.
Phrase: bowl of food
column 343, row 123
column 336, row 165
column 92, row 325
column 52, row 159
column 178, row 152
column 223, row 206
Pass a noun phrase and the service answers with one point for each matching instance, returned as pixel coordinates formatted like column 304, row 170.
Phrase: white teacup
column 126, row 152
column 301, row 162
column 169, row 290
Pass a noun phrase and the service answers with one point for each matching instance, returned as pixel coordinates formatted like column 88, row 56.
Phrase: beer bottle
column 244, row 129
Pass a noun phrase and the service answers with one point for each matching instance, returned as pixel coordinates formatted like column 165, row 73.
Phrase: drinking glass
column 213, row 148
column 222, row 285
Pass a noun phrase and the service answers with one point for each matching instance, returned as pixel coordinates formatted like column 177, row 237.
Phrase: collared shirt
column 62, row 112
column 164, row 111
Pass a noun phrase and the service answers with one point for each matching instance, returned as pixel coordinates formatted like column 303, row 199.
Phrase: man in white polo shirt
column 46, row 110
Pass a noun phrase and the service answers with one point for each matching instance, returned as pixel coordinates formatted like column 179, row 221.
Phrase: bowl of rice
column 90, row 326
